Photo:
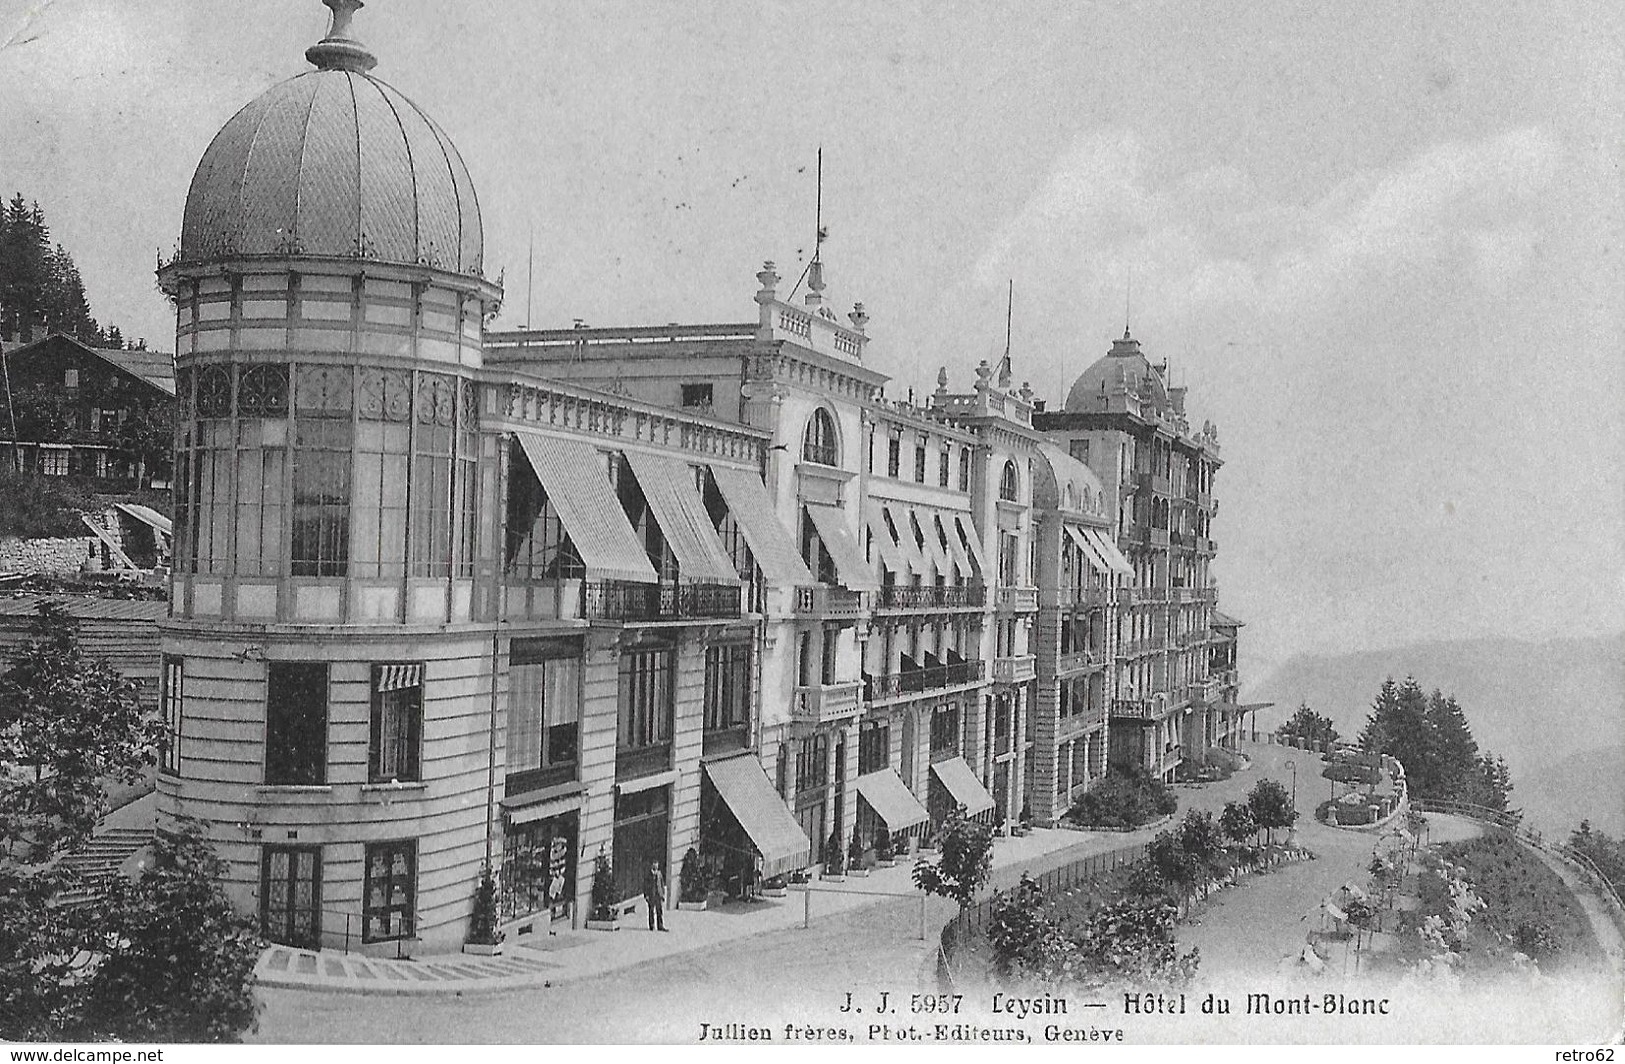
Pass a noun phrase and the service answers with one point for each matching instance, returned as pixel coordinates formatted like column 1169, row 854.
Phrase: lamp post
column 1293, row 765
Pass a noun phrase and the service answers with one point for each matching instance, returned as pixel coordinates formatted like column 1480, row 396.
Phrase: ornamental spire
column 340, row 50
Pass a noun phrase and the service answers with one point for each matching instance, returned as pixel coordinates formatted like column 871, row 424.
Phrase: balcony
column 633, row 762
column 1153, row 483
column 1075, row 598
column 1077, row 659
column 826, row 703
column 1200, row 691
column 931, row 597
column 1192, row 638
column 1202, row 499
column 1134, row 709
column 1017, row 669
column 915, row 681
column 1147, row 596
column 622, row 600
column 1183, row 540
column 725, row 740
column 1017, row 599
column 1206, row 594
column 1204, row 545
column 1157, row 537
column 828, row 603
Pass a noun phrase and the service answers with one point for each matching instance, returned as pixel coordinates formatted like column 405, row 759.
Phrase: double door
column 291, row 895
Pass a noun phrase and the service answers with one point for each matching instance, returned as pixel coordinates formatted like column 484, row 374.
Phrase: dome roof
column 1123, row 368
column 334, row 163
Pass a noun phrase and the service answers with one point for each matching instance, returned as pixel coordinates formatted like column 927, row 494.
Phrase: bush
column 603, row 887
column 884, row 850
column 39, row 507
column 834, row 865
column 482, row 923
column 1128, row 797
column 854, row 850
column 691, row 878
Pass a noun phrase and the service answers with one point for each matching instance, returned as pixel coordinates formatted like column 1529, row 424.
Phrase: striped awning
column 668, row 487
column 1109, row 552
column 933, row 548
column 962, row 785
column 957, row 549
column 1091, row 553
column 892, row 801
column 850, row 564
column 744, row 788
column 574, row 475
column 770, row 542
column 967, row 529
column 892, row 553
column 397, row 677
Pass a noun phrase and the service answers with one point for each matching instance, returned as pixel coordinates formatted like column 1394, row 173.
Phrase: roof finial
column 340, row 50
column 1128, row 301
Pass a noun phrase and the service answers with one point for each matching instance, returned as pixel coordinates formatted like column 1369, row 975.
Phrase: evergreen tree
column 40, row 285
column 1305, row 723
column 1454, row 750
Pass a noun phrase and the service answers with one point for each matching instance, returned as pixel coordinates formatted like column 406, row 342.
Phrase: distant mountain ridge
column 1537, row 704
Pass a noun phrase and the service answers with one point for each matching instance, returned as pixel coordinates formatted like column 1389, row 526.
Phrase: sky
column 1380, row 242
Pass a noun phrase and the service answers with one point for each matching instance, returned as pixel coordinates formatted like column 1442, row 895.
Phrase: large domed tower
column 328, row 660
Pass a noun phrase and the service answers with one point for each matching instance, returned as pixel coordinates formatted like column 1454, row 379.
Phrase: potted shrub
column 776, row 887
column 1024, row 823
column 854, row 854
column 693, row 888
column 834, row 859
column 885, row 855
column 483, row 938
column 604, row 915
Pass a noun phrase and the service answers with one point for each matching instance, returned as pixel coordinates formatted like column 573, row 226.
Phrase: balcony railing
column 1186, row 540
column 1157, row 537
column 1077, row 659
column 824, row 703
column 1018, row 599
column 1076, row 598
column 830, row 603
column 1149, row 595
column 622, row 600
column 1204, row 545
column 630, row 763
column 1018, row 669
column 929, row 678
column 931, row 596
column 1152, row 482
column 1134, row 708
column 723, row 740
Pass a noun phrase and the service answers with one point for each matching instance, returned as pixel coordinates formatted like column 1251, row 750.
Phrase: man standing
column 654, row 895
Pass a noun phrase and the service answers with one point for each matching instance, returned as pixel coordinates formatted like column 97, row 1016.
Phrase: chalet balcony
column 1018, row 669
column 915, row 681
column 828, row 603
column 623, row 600
column 826, row 703
column 932, row 597
column 1017, row 599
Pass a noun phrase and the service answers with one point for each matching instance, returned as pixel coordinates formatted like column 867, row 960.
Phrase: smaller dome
column 1122, row 369
column 1061, row 482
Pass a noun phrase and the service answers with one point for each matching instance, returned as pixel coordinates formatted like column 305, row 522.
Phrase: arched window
column 819, row 443
column 1007, row 483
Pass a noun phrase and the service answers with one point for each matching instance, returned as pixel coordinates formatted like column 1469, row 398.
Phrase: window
column 390, row 889
column 70, row 378
column 819, row 444
column 1007, row 483
column 812, row 763
column 537, row 546
column 944, row 468
column 874, row 746
column 544, row 713
column 296, row 723
column 396, row 733
column 727, row 686
column 804, row 660
column 827, row 645
column 894, row 457
column 919, row 461
column 382, row 466
column 171, row 695
column 322, row 431
column 1009, row 551
column 645, row 711
column 697, row 395
column 964, row 469
column 53, row 461
column 945, row 729
column 429, row 533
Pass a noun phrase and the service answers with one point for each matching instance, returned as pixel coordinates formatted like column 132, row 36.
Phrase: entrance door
column 642, row 828
column 291, row 895
column 1001, row 790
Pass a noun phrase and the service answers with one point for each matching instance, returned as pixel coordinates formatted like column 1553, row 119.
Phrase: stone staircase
column 99, row 859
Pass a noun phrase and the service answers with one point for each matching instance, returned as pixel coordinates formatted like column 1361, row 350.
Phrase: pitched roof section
column 155, row 368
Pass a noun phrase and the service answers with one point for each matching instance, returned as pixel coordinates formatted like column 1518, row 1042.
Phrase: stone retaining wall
column 34, row 556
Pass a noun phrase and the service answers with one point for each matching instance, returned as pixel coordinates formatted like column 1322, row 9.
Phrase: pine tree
column 1454, row 750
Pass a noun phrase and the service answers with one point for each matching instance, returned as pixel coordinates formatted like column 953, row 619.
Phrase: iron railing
column 927, row 596
column 624, row 600
column 929, row 678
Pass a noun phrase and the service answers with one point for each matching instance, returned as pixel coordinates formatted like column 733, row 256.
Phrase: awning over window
column 1109, row 552
column 967, row 528
column 1091, row 553
column 854, row 571
column 745, row 789
column 895, row 557
column 956, row 548
column 932, row 549
column 963, row 785
column 574, row 476
column 772, row 544
column 398, row 677
column 891, row 800
column 668, row 486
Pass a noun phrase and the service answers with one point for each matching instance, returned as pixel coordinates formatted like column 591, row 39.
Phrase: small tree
column 67, row 722
column 834, row 864
column 964, row 861
column 884, row 850
column 603, row 887
column 1026, row 941
column 177, row 961
column 1203, row 844
column 691, row 878
column 1237, row 823
column 854, row 850
column 482, row 922
column 1271, row 806
column 1309, row 726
